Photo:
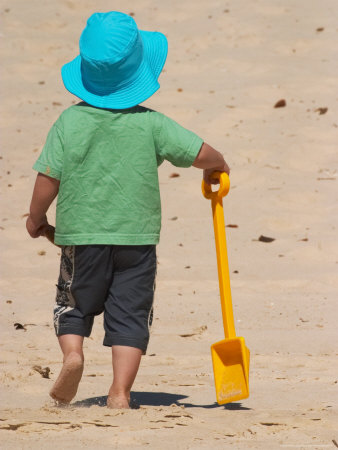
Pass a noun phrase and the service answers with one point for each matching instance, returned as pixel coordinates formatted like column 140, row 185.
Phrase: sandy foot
column 65, row 387
column 118, row 402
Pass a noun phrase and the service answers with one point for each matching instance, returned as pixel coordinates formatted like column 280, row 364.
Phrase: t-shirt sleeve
column 51, row 158
column 175, row 143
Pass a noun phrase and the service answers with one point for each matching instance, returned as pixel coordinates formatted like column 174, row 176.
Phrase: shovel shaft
column 223, row 268
column 221, row 250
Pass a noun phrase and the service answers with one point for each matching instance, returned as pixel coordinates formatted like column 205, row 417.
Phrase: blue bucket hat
column 118, row 65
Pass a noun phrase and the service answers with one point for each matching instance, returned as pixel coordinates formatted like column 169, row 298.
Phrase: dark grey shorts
column 118, row 280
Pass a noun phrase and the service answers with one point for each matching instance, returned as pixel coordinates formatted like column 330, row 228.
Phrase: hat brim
column 155, row 50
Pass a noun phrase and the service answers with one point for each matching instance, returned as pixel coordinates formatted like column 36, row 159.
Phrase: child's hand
column 207, row 174
column 210, row 160
column 37, row 228
column 45, row 190
column 49, row 233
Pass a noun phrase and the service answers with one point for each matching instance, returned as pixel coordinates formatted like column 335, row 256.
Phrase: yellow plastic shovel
column 230, row 357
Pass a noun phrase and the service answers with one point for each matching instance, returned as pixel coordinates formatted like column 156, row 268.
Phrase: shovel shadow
column 158, row 399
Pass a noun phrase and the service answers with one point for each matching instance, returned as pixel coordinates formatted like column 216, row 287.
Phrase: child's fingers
column 49, row 232
column 211, row 180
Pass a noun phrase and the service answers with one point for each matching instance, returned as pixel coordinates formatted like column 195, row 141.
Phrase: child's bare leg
column 126, row 361
column 65, row 387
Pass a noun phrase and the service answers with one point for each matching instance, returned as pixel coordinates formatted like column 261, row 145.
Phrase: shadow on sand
column 158, row 399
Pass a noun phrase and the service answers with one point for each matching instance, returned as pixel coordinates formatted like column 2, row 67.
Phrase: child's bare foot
column 118, row 402
column 65, row 387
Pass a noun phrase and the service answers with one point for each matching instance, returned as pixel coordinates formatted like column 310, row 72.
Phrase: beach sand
column 229, row 63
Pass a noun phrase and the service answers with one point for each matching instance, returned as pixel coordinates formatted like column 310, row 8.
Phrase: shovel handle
column 224, row 186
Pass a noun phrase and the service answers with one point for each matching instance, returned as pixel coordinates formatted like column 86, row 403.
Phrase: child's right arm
column 210, row 160
column 45, row 191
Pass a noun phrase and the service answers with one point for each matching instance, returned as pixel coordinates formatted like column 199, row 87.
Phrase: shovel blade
column 231, row 360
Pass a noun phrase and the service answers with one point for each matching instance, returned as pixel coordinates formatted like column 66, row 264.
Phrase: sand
column 229, row 63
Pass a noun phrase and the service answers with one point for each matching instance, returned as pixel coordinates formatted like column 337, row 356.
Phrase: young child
column 100, row 159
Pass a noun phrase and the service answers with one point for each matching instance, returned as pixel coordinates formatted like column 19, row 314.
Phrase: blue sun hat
column 118, row 65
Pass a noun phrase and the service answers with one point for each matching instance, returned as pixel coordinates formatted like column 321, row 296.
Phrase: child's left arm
column 45, row 191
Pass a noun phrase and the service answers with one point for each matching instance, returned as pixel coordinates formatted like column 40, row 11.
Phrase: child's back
column 106, row 161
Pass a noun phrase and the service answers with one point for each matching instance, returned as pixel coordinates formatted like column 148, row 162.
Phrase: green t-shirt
column 106, row 161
